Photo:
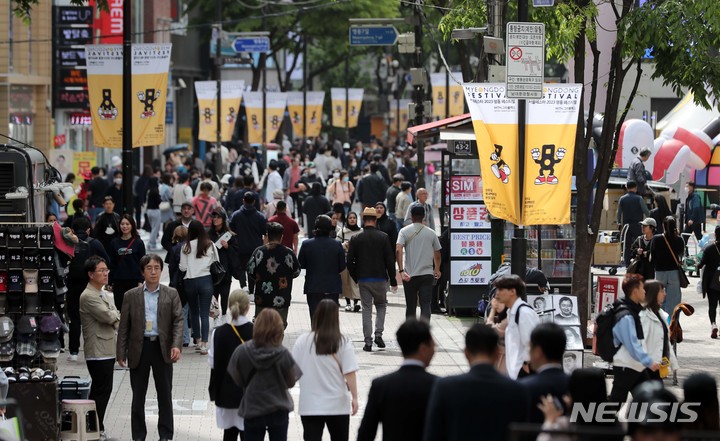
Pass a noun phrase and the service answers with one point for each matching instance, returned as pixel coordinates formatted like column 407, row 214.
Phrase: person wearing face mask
column 107, row 226
column 115, row 189
column 341, row 190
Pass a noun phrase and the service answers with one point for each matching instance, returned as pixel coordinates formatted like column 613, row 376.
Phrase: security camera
column 181, row 83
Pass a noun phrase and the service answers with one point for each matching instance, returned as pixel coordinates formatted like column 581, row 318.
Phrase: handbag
column 165, row 206
column 217, row 270
column 634, row 266
column 684, row 282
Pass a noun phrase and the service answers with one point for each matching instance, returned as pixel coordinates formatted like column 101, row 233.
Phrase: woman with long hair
column 223, row 342
column 710, row 282
column 266, row 371
column 497, row 319
column 665, row 250
column 198, row 254
column 655, row 327
column 350, row 289
column 660, row 212
column 125, row 254
column 329, row 367
column 172, row 259
column 227, row 252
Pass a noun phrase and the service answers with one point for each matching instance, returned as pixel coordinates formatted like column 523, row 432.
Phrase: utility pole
column 127, row 156
column 419, row 92
column 218, row 92
column 264, row 98
column 347, row 96
column 303, row 147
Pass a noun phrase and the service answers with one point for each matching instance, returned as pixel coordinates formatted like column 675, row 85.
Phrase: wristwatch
column 401, row 271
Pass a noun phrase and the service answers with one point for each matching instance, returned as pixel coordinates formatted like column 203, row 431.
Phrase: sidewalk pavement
column 195, row 414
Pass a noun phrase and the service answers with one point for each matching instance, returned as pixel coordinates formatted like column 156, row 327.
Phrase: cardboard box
column 606, row 254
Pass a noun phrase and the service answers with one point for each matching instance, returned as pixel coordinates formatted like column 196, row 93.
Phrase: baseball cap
column 49, row 348
column 15, row 281
column 3, row 281
column 46, row 260
column 30, row 237
column 649, row 221
column 417, row 210
column 50, row 324
column 14, row 302
column 27, row 325
column 225, row 179
column 46, row 236
column 31, row 281
column 115, row 161
column 32, row 303
column 7, row 328
column 15, row 258
column 45, row 281
column 30, row 258
column 14, row 237
column 186, row 204
column 3, row 236
column 28, row 347
column 278, row 194
column 47, row 302
column 7, row 351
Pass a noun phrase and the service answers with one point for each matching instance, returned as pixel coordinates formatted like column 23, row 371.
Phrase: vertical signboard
column 73, row 26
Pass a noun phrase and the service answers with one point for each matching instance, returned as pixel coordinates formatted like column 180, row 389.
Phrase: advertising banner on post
column 404, row 115
column 150, row 64
column 354, row 98
column 444, row 89
column 275, row 103
column 549, row 150
column 313, row 115
column 495, row 124
column 206, row 92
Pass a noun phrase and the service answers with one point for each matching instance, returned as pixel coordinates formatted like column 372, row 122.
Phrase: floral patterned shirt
column 273, row 267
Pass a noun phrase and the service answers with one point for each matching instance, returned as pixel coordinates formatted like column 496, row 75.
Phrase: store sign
column 470, row 244
column 72, row 77
column 59, row 140
column 71, row 57
column 71, row 99
column 80, row 119
column 464, row 217
column 608, row 290
column 470, row 272
column 75, row 36
column 74, row 15
column 466, row 188
column 21, row 99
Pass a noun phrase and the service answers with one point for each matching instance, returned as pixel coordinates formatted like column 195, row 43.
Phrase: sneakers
column 357, row 308
column 379, row 342
column 72, row 357
column 203, row 348
column 348, row 307
column 714, row 332
column 367, row 347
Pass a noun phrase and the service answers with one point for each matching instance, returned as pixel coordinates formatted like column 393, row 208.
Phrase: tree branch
column 631, row 98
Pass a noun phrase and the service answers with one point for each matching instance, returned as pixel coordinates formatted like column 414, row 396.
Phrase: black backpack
column 603, row 342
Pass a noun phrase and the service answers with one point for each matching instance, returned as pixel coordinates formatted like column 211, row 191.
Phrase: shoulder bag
column 684, row 282
column 337, row 360
column 217, row 270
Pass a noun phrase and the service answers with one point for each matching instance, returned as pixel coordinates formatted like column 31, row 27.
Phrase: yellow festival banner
column 549, row 153
column 457, row 101
column 206, row 92
column 314, row 104
column 150, row 63
column 404, row 115
column 275, row 103
column 494, row 120
column 354, row 98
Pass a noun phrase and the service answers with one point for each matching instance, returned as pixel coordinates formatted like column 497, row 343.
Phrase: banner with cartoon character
column 313, row 107
column 549, row 153
column 444, row 89
column 354, row 101
column 275, row 103
column 404, row 115
column 494, row 120
column 206, row 92
column 150, row 64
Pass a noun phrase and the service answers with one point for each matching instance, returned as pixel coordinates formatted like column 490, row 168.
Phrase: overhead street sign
column 525, row 60
column 251, row 44
column 537, row 3
column 380, row 35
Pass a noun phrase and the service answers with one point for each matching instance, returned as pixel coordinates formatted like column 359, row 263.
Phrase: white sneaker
column 72, row 357
column 103, row 436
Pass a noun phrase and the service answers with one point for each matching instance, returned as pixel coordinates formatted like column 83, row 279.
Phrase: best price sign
column 465, row 217
column 470, row 245
column 466, row 188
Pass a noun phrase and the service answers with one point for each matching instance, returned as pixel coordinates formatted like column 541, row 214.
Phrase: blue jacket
column 694, row 208
column 250, row 227
column 323, row 259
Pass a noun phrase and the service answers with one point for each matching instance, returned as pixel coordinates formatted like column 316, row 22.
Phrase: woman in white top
column 340, row 190
column 195, row 259
column 350, row 290
column 328, row 387
column 655, row 327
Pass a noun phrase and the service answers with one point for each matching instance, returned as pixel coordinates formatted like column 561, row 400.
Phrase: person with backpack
column 522, row 319
column 77, row 279
column 630, row 361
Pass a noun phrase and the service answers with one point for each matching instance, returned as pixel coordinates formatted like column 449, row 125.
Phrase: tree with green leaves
column 684, row 37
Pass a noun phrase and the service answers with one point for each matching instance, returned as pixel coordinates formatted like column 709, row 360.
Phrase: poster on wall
column 83, row 162
column 608, row 290
column 470, row 272
column 466, row 188
column 470, row 244
column 62, row 160
column 471, row 216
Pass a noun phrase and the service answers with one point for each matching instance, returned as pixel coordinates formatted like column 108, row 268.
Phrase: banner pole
column 518, row 257
column 127, row 136
column 303, row 146
column 218, row 90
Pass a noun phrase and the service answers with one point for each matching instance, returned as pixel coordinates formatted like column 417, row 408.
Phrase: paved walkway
column 195, row 414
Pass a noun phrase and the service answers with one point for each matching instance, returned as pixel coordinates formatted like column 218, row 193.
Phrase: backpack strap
column 517, row 313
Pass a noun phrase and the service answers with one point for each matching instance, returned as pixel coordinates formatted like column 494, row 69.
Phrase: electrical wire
column 441, row 8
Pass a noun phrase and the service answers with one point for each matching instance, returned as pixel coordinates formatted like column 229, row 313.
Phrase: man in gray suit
column 150, row 336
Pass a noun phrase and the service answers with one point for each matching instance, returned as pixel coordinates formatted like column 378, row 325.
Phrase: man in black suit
column 402, row 396
column 479, row 404
column 547, row 345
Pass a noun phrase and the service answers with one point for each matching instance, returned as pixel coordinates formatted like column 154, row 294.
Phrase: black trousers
column 338, row 427
column 222, row 291
column 713, row 299
column 419, row 287
column 438, row 297
column 314, row 300
column 151, row 358
column 72, row 305
column 250, row 282
column 120, row 287
column 624, row 381
column 232, row 434
column 695, row 228
column 101, row 373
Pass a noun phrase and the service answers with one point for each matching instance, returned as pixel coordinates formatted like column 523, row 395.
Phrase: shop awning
column 432, row 128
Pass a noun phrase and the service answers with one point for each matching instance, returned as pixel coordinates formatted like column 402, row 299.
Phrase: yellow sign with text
column 312, row 115
column 354, row 98
column 275, row 103
column 206, row 92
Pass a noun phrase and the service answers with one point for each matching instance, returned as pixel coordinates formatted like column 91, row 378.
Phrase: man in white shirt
column 274, row 181
column 522, row 319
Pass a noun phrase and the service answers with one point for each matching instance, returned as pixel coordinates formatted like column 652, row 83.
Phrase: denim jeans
column 276, row 425
column 154, row 216
column 186, row 324
column 671, row 280
column 199, row 293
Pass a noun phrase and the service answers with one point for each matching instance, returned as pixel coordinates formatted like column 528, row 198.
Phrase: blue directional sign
column 537, row 3
column 380, row 35
column 251, row 44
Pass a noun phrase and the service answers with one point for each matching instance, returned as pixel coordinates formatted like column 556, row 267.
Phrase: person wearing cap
column 422, row 196
column 100, row 318
column 421, row 248
column 115, row 166
column 640, row 249
column 271, row 206
column 631, row 211
column 710, row 279
column 150, row 336
column 227, row 251
column 371, row 264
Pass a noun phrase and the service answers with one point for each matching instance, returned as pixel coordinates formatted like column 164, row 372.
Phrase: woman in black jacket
column 710, row 282
column 386, row 225
column 660, row 212
column 227, row 252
